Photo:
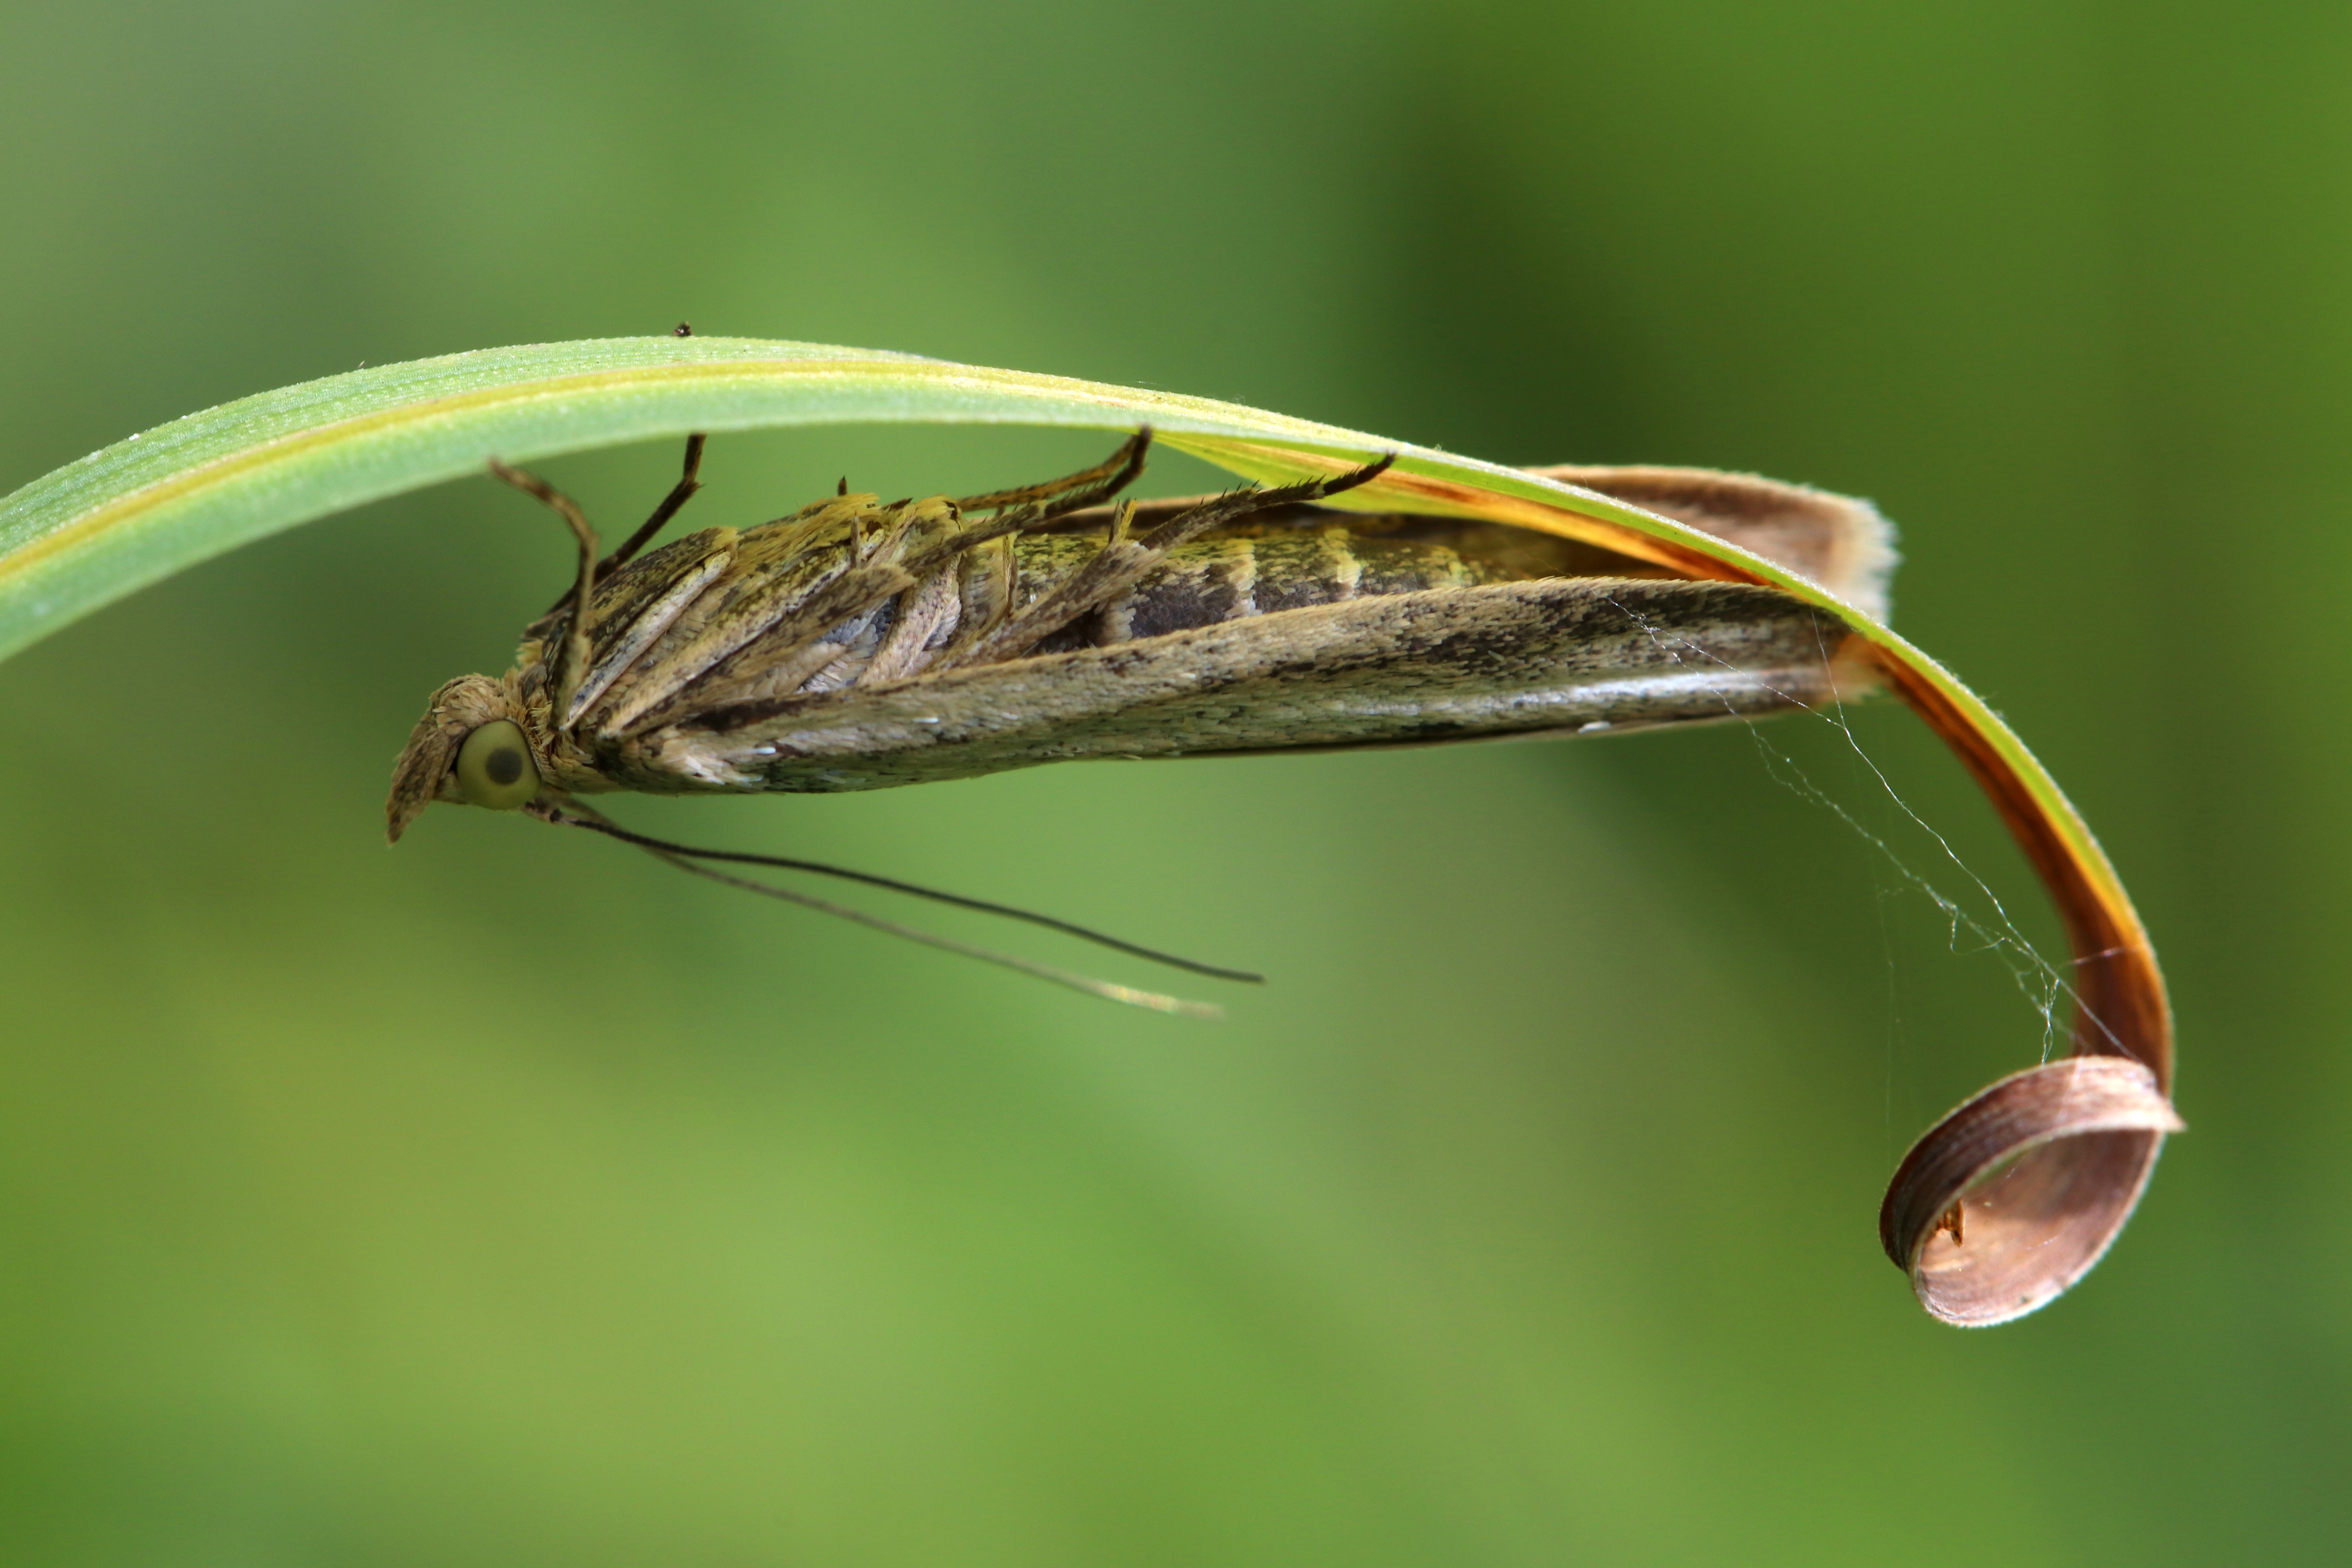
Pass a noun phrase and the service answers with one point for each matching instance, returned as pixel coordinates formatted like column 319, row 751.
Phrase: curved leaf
column 1996, row 1211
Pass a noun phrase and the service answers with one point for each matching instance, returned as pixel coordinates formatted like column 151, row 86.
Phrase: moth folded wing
column 776, row 569
column 924, row 619
column 635, row 607
column 813, row 599
column 1575, row 655
column 847, row 618
column 1844, row 543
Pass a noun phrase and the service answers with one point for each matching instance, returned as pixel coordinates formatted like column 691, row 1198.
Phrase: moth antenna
column 1126, row 995
column 680, row 854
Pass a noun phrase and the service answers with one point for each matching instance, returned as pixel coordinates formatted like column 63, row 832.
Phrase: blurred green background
column 508, row 1199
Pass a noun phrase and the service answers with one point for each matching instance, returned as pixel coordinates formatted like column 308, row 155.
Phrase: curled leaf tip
column 2013, row 1196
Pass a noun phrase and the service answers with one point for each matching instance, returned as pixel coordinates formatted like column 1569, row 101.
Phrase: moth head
column 471, row 748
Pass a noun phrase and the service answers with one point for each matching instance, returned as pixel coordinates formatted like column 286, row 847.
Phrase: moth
column 857, row 644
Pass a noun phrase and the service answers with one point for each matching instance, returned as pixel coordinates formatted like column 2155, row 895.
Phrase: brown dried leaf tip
column 2015, row 1195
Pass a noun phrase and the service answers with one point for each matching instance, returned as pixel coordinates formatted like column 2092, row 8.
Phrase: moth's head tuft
column 429, row 765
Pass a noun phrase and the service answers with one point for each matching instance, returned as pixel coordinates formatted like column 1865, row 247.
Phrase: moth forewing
column 1573, row 655
column 927, row 618
column 668, row 599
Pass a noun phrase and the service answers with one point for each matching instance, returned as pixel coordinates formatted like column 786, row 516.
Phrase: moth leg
column 572, row 660
column 679, row 494
column 689, row 481
column 1102, row 482
column 1122, row 562
column 1044, row 503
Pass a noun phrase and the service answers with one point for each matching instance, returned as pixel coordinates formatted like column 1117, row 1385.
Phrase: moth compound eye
column 494, row 767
